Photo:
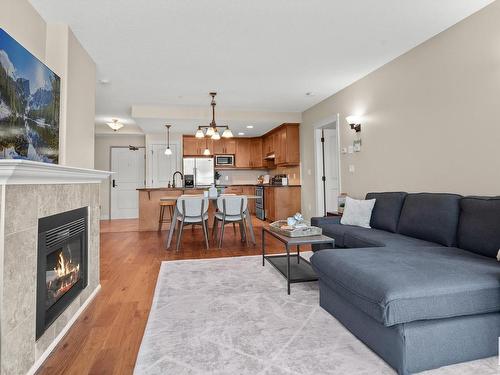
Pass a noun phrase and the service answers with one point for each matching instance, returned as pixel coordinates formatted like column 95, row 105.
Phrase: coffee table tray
column 297, row 232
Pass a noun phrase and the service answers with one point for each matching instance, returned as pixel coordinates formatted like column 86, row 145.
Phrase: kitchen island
column 149, row 204
column 282, row 201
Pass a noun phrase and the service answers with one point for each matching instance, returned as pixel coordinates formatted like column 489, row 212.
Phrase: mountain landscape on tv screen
column 29, row 105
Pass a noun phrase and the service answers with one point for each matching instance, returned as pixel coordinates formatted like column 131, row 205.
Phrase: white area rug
column 233, row 316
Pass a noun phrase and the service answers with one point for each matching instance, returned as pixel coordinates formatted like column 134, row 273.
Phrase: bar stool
column 165, row 205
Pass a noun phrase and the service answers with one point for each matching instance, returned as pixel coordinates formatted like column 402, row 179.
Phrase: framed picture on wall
column 30, row 96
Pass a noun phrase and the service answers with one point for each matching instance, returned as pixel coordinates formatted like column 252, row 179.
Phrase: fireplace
column 62, row 264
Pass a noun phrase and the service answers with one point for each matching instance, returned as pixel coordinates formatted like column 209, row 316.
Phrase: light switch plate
column 352, row 169
column 350, row 149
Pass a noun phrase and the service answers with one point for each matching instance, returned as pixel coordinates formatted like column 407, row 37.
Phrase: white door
column 129, row 168
column 331, row 186
column 331, row 172
column 163, row 166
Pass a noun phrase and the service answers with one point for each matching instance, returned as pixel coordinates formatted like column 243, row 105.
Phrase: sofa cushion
column 431, row 217
column 400, row 285
column 385, row 214
column 361, row 237
column 337, row 232
column 331, row 227
column 479, row 225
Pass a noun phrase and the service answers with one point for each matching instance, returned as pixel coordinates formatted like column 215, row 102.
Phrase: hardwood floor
column 106, row 337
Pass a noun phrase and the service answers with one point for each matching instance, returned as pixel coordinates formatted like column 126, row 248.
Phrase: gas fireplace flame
column 62, row 277
column 65, row 267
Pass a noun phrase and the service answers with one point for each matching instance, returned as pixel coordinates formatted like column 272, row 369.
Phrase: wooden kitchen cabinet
column 250, row 190
column 281, row 202
column 225, row 146
column 267, row 144
column 287, row 146
column 238, row 190
column 189, row 146
column 270, row 204
column 192, row 146
column 243, row 156
column 280, row 146
column 283, row 142
column 256, row 158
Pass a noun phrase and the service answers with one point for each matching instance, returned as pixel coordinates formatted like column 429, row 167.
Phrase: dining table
column 212, row 200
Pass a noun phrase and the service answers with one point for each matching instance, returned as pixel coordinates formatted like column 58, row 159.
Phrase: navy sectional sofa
column 421, row 288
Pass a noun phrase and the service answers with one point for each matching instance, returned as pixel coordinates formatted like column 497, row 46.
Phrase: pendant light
column 206, row 151
column 168, row 151
column 199, row 133
column 227, row 133
column 212, row 129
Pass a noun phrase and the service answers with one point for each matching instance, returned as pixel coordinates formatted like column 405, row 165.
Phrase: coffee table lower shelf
column 300, row 269
column 293, row 267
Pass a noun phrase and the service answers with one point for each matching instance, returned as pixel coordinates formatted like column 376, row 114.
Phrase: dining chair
column 192, row 210
column 231, row 209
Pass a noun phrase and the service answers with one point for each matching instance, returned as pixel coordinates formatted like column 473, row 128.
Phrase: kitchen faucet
column 173, row 177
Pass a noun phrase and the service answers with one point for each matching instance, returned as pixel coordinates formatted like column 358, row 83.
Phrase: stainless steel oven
column 224, row 160
column 259, row 203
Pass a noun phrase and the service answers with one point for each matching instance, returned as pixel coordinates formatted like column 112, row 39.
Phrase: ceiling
column 261, row 56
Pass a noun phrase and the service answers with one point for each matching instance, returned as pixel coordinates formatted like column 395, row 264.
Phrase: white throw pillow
column 357, row 212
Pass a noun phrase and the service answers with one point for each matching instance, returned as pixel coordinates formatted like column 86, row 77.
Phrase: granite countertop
column 206, row 187
column 263, row 185
column 162, row 189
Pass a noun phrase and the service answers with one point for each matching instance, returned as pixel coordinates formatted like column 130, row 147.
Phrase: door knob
column 114, row 183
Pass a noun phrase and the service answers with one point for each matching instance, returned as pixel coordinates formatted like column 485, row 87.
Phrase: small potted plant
column 217, row 177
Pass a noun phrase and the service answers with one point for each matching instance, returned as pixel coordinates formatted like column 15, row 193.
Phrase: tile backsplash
column 235, row 177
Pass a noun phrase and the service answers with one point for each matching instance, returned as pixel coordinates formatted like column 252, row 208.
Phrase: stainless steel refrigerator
column 202, row 169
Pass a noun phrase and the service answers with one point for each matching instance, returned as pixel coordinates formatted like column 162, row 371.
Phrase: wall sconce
column 354, row 122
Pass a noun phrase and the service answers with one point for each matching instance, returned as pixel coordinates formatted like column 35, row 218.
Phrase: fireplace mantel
column 25, row 172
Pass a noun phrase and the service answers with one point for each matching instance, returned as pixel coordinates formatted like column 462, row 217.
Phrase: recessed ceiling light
column 241, row 133
column 104, row 81
column 309, row 93
column 249, row 126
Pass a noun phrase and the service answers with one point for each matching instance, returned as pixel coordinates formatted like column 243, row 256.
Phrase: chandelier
column 212, row 130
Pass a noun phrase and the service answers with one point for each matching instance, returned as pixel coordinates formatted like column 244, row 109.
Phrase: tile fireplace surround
column 29, row 191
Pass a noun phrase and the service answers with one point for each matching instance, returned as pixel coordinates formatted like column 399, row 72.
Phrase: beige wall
column 80, row 100
column 431, row 118
column 102, row 161
column 57, row 47
column 23, row 23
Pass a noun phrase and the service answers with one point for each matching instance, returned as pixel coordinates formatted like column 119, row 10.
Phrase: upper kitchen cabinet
column 243, row 153
column 225, row 146
column 192, row 146
column 282, row 143
column 256, row 159
column 279, row 147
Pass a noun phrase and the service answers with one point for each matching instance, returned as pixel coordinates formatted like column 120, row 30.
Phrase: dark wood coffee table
column 299, row 271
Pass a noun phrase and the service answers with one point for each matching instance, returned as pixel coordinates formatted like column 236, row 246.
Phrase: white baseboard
column 65, row 330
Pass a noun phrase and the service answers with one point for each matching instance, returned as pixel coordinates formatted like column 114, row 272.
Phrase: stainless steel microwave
column 224, row 160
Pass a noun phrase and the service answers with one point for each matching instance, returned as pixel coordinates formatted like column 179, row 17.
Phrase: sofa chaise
column 421, row 288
